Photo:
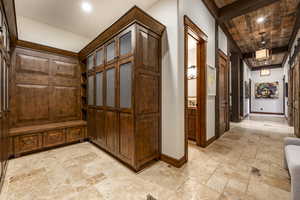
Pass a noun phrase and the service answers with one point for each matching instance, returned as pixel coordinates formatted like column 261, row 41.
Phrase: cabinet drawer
column 55, row 137
column 27, row 143
column 75, row 134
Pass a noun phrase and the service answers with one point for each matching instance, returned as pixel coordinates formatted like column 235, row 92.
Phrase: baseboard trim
column 211, row 140
column 173, row 161
column 267, row 113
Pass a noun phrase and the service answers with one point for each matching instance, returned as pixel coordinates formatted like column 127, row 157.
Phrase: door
column 290, row 99
column 223, row 94
column 296, row 99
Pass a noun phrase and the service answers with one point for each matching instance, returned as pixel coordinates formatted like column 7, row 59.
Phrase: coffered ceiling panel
column 275, row 28
column 222, row 3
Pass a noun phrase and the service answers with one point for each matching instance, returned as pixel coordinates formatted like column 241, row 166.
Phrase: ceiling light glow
column 260, row 20
column 86, row 6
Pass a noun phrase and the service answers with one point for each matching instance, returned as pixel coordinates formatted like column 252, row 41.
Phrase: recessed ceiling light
column 263, row 42
column 260, row 20
column 86, row 6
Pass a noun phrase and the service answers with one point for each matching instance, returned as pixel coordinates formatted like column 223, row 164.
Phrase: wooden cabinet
column 29, row 139
column 4, row 95
column 124, row 91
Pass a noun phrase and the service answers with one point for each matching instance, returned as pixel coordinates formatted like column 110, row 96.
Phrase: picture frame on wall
column 265, row 72
column 211, row 81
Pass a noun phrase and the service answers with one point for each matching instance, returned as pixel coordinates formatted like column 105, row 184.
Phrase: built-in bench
column 292, row 163
column 35, row 138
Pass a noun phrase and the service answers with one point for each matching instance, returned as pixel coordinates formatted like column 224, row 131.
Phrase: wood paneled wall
column 45, row 88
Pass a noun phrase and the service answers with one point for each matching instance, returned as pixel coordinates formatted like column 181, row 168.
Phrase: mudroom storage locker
column 124, row 92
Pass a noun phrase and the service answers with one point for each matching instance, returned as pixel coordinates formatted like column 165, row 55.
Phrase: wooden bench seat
column 38, row 137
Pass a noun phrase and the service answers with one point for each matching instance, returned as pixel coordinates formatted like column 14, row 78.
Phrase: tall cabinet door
column 147, row 95
column 126, row 74
column 100, row 113
column 111, row 114
column 126, row 42
column 91, row 97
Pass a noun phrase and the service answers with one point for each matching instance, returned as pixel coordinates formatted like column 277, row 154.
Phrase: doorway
column 223, row 97
column 195, row 84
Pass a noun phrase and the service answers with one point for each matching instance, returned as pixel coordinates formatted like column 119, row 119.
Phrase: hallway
column 246, row 164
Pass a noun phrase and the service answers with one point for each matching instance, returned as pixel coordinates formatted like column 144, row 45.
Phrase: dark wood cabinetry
column 4, row 95
column 124, row 84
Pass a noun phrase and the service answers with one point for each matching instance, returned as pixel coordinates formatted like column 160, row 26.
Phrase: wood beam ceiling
column 294, row 35
column 266, row 67
column 242, row 7
column 277, row 50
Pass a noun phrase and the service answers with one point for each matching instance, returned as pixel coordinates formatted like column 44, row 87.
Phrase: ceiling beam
column 294, row 34
column 276, row 50
column 242, row 7
column 266, row 67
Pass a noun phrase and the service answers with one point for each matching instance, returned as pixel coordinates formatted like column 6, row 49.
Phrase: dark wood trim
column 188, row 22
column 210, row 141
column 276, row 50
column 235, row 87
column 135, row 14
column 189, row 27
column 217, row 100
column 266, row 113
column 295, row 53
column 242, row 7
column 250, row 97
column 173, row 161
column 44, row 48
column 10, row 15
column 266, row 67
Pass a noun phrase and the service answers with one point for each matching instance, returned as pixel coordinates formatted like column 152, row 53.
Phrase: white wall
column 200, row 15
column 170, row 13
column 268, row 105
column 34, row 31
column 247, row 76
column 223, row 43
column 166, row 11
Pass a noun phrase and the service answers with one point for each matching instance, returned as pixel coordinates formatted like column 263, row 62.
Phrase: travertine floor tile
column 244, row 164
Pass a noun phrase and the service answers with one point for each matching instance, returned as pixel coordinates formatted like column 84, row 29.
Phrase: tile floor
column 245, row 164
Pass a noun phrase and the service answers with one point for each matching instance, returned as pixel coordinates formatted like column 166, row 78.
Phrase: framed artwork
column 265, row 72
column 211, row 81
column 192, row 102
column 267, row 90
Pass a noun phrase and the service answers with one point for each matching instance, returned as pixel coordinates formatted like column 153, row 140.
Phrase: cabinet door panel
column 111, row 128
column 126, row 136
column 27, row 143
column 99, row 89
column 100, row 127
column 53, row 138
column 110, row 87
column 125, row 85
column 100, row 57
column 126, row 44
column 111, row 51
column 91, row 90
column 147, row 133
column 91, row 124
column 90, row 62
column 75, row 134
